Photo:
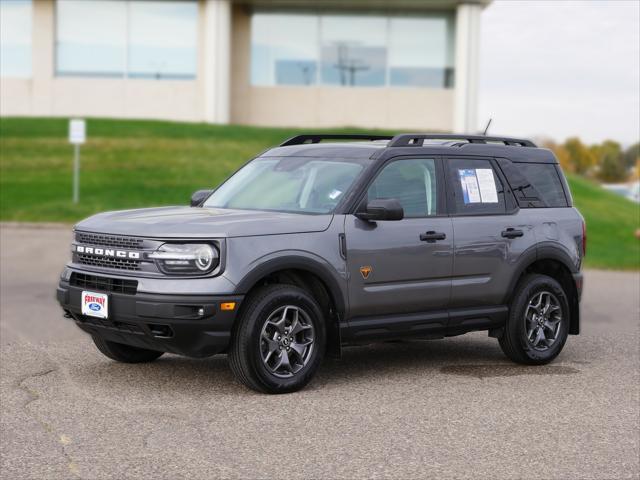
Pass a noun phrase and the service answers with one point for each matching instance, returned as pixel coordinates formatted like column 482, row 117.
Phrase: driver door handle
column 432, row 236
column 512, row 233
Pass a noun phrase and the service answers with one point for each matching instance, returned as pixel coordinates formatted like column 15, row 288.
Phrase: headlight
column 189, row 258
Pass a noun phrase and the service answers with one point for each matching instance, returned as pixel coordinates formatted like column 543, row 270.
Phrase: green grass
column 611, row 225
column 130, row 164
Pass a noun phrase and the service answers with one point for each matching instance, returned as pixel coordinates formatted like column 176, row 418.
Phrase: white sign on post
column 77, row 131
column 77, row 136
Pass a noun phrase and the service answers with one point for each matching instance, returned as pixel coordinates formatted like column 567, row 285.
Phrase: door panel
column 484, row 260
column 402, row 266
column 490, row 233
column 406, row 274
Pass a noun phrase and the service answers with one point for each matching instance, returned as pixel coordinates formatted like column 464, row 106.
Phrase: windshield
column 289, row 184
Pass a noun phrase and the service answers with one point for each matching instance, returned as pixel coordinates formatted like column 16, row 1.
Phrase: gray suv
column 313, row 246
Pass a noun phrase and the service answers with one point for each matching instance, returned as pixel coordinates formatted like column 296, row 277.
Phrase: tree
column 561, row 154
column 580, row 157
column 632, row 155
column 611, row 161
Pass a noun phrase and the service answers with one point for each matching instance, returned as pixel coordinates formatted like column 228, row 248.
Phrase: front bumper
column 163, row 322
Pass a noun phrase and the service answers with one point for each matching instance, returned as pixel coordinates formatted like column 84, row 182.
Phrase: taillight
column 584, row 238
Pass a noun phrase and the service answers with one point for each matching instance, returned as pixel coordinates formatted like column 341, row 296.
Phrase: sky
column 557, row 69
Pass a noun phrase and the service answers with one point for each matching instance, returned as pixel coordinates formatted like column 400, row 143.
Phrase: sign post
column 77, row 136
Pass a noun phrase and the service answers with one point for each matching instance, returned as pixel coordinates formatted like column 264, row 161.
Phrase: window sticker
column 487, row 184
column 470, row 188
column 334, row 194
column 478, row 185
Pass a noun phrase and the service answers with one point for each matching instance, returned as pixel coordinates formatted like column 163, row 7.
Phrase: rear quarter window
column 535, row 185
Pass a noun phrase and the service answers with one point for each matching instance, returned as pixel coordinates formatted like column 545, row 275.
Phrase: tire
column 125, row 353
column 259, row 342
column 536, row 333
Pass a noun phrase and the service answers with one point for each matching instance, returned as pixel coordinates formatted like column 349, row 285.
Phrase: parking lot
column 454, row 408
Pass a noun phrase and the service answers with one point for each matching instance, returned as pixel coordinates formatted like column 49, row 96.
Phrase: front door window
column 412, row 183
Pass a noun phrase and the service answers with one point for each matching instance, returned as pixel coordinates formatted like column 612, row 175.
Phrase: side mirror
column 381, row 209
column 198, row 197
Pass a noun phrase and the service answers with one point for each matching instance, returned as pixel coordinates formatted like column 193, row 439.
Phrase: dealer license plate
column 95, row 304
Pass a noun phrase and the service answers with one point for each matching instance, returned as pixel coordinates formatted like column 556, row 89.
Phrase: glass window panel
column 419, row 52
column 546, row 181
column 451, row 52
column 292, row 184
column 353, row 50
column 91, row 37
column 15, row 38
column 477, row 188
column 284, row 49
column 412, row 183
column 163, row 39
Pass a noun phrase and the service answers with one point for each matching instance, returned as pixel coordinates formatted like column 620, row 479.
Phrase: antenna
column 486, row 129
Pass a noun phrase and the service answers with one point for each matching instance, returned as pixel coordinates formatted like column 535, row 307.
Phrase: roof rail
column 317, row 138
column 417, row 139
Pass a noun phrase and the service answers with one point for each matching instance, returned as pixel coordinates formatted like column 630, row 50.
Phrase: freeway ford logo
column 106, row 252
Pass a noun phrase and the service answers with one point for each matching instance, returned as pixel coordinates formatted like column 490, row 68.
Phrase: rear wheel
column 125, row 353
column 279, row 340
column 538, row 323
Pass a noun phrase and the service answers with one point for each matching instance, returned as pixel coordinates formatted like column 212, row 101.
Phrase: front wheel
column 538, row 323
column 279, row 340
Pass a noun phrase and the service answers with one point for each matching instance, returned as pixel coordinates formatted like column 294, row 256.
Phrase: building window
column 421, row 52
column 163, row 39
column 352, row 50
column 284, row 49
column 135, row 39
column 15, row 38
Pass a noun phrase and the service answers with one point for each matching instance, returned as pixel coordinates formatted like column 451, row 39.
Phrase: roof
column 376, row 146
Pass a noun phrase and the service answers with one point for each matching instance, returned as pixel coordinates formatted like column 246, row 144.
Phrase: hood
column 196, row 222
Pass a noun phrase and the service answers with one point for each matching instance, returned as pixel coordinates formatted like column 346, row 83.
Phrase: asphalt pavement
column 453, row 408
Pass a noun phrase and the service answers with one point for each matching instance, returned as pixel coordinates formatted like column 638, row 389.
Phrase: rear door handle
column 512, row 233
column 432, row 236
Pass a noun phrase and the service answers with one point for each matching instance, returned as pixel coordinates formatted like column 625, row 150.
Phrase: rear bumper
column 168, row 323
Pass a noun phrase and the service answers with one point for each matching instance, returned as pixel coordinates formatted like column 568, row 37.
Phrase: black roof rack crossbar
column 417, row 139
column 317, row 138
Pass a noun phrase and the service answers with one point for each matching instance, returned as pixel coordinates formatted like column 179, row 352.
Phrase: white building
column 321, row 63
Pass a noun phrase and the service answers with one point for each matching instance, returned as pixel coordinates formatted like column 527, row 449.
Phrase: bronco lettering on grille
column 107, row 252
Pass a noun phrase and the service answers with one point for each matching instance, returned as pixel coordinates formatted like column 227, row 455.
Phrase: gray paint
column 407, row 274
column 196, row 222
column 473, row 266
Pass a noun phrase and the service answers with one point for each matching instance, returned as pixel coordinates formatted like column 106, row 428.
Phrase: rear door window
column 475, row 188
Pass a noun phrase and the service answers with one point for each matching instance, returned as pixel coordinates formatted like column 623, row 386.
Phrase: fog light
column 201, row 312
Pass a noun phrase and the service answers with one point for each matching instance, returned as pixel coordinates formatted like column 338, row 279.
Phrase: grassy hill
column 129, row 164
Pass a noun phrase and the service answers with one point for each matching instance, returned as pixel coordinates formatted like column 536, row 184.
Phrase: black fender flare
column 542, row 251
column 554, row 251
column 298, row 261
column 550, row 251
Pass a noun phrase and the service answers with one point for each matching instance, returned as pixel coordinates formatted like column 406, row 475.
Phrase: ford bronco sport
column 314, row 246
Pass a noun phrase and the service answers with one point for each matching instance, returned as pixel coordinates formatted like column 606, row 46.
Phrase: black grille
column 109, row 240
column 109, row 262
column 119, row 326
column 104, row 284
